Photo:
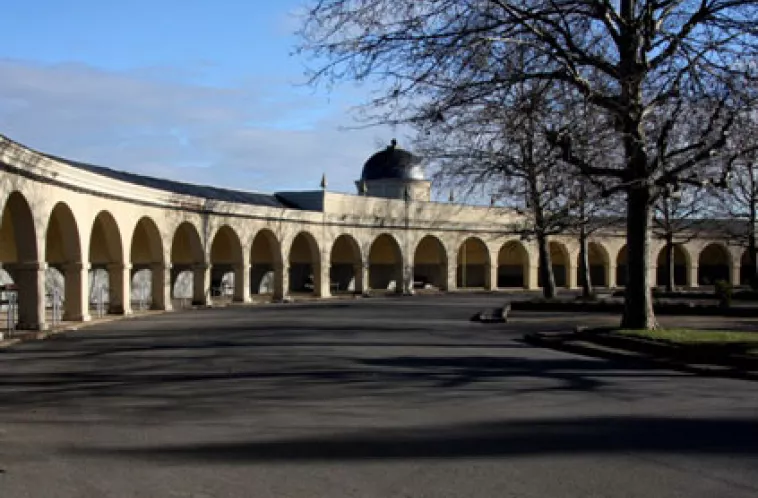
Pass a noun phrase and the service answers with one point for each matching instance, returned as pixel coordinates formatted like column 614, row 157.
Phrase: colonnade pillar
column 281, row 280
column 571, row 273
column 29, row 278
column 611, row 271
column 360, row 276
column 532, row 277
column 490, row 278
column 201, row 278
column 119, row 286
column 321, row 280
column 692, row 274
column 161, row 287
column 241, row 283
column 735, row 273
column 76, row 301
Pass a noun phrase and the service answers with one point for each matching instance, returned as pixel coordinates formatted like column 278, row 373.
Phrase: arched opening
column 512, row 265
column 142, row 289
column 148, row 267
column 713, row 265
column 385, row 262
column 473, row 264
column 345, row 260
column 106, row 256
column 66, row 276
column 265, row 263
column 187, row 266
column 680, row 267
column 747, row 269
column 304, row 264
column 598, row 263
column 430, row 264
column 226, row 266
column 559, row 257
column 621, row 266
column 18, row 257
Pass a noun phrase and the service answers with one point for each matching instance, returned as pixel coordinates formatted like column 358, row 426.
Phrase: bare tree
column 679, row 218
column 740, row 197
column 503, row 146
column 626, row 58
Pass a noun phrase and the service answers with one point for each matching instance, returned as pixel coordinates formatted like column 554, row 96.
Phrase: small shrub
column 723, row 292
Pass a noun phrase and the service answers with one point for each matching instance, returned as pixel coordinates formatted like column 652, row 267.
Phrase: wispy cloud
column 260, row 135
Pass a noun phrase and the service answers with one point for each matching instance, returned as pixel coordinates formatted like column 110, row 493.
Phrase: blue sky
column 195, row 90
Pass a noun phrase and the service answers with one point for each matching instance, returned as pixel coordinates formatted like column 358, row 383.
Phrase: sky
column 199, row 91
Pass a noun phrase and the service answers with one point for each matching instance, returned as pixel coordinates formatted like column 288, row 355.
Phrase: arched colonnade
column 157, row 262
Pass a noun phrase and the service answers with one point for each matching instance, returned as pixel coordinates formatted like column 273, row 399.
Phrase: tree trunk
column 638, row 301
column 670, row 263
column 584, row 264
column 752, row 247
column 546, row 268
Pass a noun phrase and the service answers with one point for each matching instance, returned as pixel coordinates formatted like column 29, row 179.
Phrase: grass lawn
column 694, row 336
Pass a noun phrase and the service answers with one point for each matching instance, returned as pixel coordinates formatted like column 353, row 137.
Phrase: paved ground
column 375, row 398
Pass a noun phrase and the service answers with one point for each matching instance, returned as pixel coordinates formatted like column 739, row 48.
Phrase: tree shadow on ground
column 222, row 381
column 568, row 436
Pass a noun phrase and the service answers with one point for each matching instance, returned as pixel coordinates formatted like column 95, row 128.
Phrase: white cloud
column 264, row 136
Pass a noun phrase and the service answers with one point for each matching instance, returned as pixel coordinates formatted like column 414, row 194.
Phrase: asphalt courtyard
column 400, row 397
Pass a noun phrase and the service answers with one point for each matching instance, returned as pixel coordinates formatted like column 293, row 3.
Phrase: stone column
column 692, row 276
column 162, row 283
column 76, row 305
column 735, row 272
column 201, row 281
column 321, row 280
column 281, row 281
column 407, row 276
column 611, row 269
column 490, row 277
column 119, row 289
column 29, row 278
column 241, row 283
column 532, row 277
column 452, row 275
column 360, row 275
column 571, row 270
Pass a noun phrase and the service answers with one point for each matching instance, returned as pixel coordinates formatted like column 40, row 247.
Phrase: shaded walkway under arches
column 512, row 265
column 430, row 263
column 473, row 264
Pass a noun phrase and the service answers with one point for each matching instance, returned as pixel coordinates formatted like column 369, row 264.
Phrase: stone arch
column 63, row 254
column 681, row 264
column 385, row 264
column 304, row 263
column 621, row 266
column 147, row 256
column 188, row 264
column 227, row 261
column 747, row 269
column 20, row 258
column 346, row 264
column 18, row 238
column 266, row 264
column 106, row 256
column 473, row 264
column 559, row 257
column 599, row 263
column 430, row 263
column 714, row 263
column 512, row 265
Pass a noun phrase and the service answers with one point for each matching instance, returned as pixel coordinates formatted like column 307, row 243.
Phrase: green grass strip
column 693, row 336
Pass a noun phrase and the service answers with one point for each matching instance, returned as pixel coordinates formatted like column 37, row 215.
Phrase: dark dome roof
column 393, row 163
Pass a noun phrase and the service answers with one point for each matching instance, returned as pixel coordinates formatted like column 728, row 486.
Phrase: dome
column 393, row 163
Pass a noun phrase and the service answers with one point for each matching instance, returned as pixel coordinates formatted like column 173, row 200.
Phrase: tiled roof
column 203, row 191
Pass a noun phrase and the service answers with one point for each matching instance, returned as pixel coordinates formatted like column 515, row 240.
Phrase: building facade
column 77, row 218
